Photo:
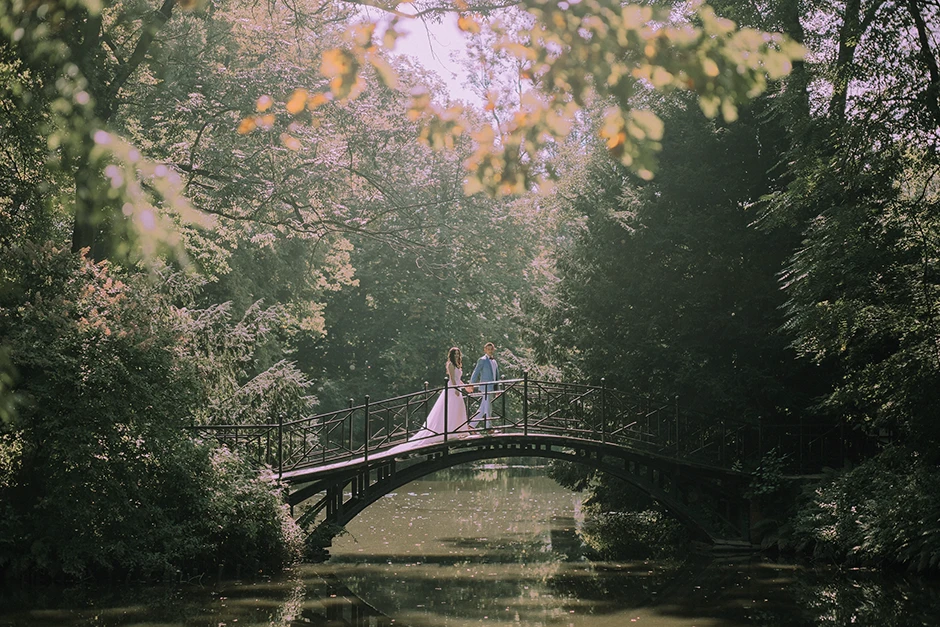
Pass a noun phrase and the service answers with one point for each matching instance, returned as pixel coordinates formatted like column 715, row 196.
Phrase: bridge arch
column 674, row 485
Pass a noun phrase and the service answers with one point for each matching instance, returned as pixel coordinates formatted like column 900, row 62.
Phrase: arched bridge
column 345, row 460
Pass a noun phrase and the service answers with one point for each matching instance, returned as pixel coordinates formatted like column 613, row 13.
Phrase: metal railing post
column 425, row 402
column 366, row 445
column 446, row 408
column 525, row 403
column 407, row 416
column 603, row 410
column 323, row 442
column 350, row 420
column 280, row 444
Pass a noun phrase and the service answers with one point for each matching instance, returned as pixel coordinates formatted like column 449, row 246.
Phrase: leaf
column 264, row 103
column 342, row 68
column 386, row 73
column 297, row 101
column 710, row 67
column 290, row 142
column 518, row 50
column 334, row 62
column 318, row 100
column 652, row 126
column 468, row 24
column 247, row 125
column 491, row 97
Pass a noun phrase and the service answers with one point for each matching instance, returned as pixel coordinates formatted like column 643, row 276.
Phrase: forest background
column 218, row 212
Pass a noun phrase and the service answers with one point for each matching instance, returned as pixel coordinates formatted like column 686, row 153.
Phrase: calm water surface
column 495, row 546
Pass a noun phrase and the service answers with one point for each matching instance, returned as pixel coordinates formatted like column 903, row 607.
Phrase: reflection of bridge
column 343, row 459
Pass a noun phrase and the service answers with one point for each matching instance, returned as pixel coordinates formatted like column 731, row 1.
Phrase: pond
column 495, row 545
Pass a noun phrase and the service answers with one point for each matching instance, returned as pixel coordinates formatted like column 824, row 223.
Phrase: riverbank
column 884, row 513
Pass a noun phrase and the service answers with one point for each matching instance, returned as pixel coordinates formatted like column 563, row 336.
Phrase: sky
column 433, row 45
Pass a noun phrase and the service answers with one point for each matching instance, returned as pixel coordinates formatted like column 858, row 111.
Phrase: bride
column 434, row 426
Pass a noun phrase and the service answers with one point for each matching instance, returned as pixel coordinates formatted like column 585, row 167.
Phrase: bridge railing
column 522, row 406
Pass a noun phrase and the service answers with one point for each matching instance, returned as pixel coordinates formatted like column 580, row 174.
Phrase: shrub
column 97, row 471
column 633, row 534
column 885, row 511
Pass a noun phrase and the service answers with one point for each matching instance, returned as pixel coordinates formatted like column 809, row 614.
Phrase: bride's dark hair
column 454, row 357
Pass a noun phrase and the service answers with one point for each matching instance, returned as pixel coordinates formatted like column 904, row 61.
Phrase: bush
column 97, row 472
column 633, row 534
column 884, row 512
column 622, row 522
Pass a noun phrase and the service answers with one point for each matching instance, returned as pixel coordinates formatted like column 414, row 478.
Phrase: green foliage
column 342, row 256
column 318, row 541
column 573, row 476
column 248, row 521
column 8, row 397
column 98, row 472
column 860, row 295
column 883, row 512
column 768, row 477
column 620, row 521
column 644, row 534
column 566, row 57
column 666, row 289
column 64, row 165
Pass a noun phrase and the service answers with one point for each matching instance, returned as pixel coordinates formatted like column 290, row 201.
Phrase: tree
column 668, row 290
column 861, row 290
column 98, row 472
column 576, row 53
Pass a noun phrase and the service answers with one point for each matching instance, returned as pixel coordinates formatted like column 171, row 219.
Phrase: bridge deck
column 530, row 442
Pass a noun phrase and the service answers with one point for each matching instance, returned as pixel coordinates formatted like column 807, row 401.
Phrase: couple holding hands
column 485, row 375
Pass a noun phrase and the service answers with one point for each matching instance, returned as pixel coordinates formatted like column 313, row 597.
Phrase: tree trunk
column 90, row 229
column 849, row 36
column 931, row 94
column 798, row 82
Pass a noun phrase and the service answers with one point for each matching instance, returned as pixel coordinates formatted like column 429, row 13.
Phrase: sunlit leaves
column 297, row 101
column 247, row 125
column 290, row 142
column 468, row 24
column 264, row 103
column 633, row 139
column 576, row 53
column 342, row 69
column 599, row 48
column 441, row 126
column 151, row 195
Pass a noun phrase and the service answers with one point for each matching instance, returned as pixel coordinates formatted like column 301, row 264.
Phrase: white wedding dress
column 433, row 430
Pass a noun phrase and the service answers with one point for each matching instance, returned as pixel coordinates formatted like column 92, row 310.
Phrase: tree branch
column 932, row 93
column 391, row 7
column 109, row 42
column 152, row 25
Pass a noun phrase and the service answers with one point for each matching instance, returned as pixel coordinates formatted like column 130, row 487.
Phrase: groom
column 486, row 372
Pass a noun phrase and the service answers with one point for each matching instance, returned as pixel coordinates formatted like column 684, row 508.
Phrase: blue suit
column 485, row 372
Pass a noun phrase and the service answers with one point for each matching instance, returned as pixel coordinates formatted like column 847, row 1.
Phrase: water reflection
column 305, row 596
column 498, row 547
column 476, row 548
